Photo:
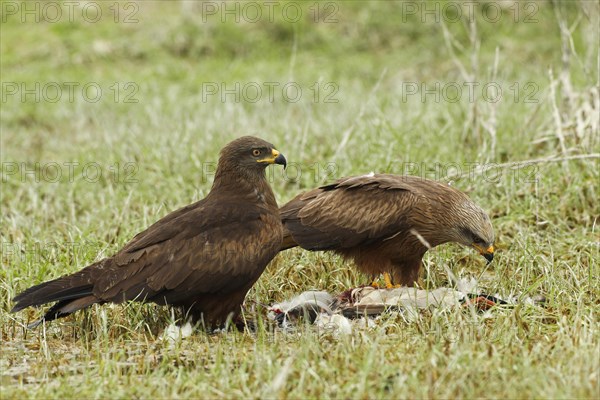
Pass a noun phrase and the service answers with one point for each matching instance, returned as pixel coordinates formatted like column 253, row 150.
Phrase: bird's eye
column 478, row 240
column 474, row 237
column 256, row 152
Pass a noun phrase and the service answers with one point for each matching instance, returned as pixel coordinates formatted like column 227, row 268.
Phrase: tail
column 72, row 292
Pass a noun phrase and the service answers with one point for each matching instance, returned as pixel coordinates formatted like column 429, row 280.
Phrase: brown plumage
column 385, row 223
column 203, row 257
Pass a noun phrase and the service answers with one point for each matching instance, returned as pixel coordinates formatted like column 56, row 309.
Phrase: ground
column 113, row 115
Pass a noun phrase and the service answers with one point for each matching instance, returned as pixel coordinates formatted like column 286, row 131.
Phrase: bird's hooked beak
column 275, row 158
column 487, row 253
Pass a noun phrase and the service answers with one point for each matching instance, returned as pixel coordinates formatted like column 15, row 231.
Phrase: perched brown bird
column 203, row 257
column 385, row 223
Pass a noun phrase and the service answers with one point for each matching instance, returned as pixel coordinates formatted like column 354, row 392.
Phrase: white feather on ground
column 174, row 333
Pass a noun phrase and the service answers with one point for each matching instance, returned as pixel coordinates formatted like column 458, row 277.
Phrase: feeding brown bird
column 385, row 223
column 203, row 257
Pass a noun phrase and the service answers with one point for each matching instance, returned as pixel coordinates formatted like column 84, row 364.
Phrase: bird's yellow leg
column 388, row 281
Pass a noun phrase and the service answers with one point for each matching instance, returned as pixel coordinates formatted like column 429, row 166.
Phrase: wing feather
column 352, row 211
column 196, row 258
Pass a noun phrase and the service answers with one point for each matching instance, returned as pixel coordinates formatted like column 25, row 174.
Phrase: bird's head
column 249, row 154
column 475, row 229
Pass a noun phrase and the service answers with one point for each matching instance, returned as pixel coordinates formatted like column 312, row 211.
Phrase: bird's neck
column 444, row 232
column 428, row 239
column 437, row 229
column 243, row 184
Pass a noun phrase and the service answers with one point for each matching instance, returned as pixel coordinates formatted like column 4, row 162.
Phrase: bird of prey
column 202, row 258
column 385, row 223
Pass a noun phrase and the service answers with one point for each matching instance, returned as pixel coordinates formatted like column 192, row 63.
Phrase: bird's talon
column 388, row 281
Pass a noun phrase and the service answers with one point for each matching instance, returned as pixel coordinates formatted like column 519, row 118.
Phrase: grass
column 138, row 161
